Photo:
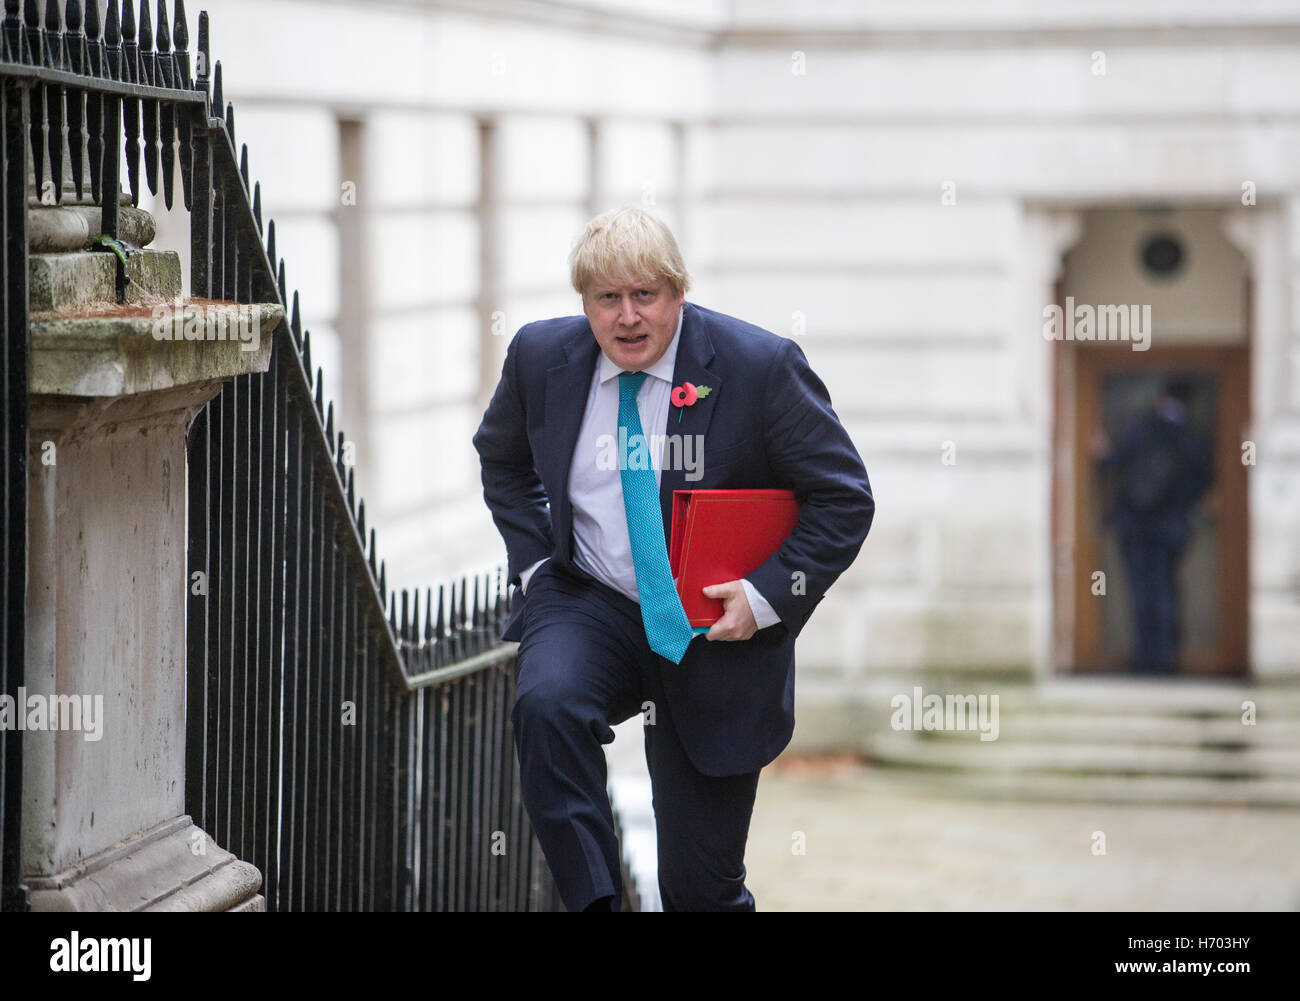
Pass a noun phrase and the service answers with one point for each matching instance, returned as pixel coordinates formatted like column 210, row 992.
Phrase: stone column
column 104, row 826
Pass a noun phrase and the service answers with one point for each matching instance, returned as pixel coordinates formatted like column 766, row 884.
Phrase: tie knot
column 629, row 384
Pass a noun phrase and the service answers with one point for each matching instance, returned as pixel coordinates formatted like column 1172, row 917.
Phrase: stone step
column 1169, row 790
column 1117, row 759
column 1185, row 731
column 1112, row 697
column 65, row 282
column 1131, row 697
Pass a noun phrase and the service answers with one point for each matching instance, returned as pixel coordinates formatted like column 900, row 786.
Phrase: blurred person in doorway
column 1160, row 470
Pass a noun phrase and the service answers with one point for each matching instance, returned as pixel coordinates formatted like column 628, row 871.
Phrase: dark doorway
column 1112, row 388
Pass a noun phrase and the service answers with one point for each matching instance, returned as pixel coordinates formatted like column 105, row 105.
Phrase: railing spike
column 94, row 40
column 181, row 46
column 428, row 615
column 306, row 352
column 383, row 580
column 35, row 43
column 295, row 321
column 361, row 520
column 76, row 43
column 204, row 66
column 329, row 426
column 218, row 102
column 270, row 239
column 11, row 33
column 130, row 45
column 230, row 123
column 370, row 557
column 352, row 502
column 54, row 53
column 320, row 393
column 405, row 621
column 243, row 162
column 440, row 627
column 343, row 470
column 148, row 64
column 166, row 72
column 112, row 43
column 257, row 204
column 164, row 36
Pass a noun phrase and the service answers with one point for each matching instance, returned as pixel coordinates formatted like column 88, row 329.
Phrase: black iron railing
column 13, row 479
column 352, row 743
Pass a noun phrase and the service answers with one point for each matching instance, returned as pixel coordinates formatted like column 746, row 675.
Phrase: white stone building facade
column 903, row 186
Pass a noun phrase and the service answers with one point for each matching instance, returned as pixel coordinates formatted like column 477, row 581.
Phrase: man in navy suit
column 599, row 640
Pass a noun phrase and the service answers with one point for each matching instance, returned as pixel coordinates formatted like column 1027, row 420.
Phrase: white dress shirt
column 601, row 543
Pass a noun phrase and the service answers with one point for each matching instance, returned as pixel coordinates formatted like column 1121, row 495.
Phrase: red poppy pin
column 686, row 394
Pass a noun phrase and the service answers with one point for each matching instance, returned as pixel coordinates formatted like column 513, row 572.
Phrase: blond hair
column 629, row 244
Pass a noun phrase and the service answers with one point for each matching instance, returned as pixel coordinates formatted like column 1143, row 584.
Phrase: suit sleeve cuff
column 764, row 614
column 527, row 572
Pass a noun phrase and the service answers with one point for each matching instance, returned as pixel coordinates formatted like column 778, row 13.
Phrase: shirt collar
column 662, row 369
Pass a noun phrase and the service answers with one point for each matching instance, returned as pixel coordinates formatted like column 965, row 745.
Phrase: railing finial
column 76, row 41
column 12, row 41
column 112, row 43
column 181, row 49
column 35, row 45
column 295, row 322
column 94, row 39
column 130, row 44
column 204, row 66
column 218, row 101
column 56, row 57
column 257, row 204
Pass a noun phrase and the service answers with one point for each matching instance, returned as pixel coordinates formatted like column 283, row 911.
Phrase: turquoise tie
column 666, row 625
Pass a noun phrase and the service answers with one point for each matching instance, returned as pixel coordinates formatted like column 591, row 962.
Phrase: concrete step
column 66, row 282
column 1134, row 697
column 1167, row 790
column 1117, row 759
column 1223, row 733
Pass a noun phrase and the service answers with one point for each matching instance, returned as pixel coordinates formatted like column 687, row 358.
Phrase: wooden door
column 1109, row 385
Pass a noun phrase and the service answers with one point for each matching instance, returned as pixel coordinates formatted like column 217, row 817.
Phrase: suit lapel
column 694, row 355
column 567, row 386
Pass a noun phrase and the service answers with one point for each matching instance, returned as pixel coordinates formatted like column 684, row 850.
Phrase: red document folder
column 722, row 535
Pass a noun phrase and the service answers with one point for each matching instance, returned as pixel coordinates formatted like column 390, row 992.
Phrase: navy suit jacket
column 768, row 423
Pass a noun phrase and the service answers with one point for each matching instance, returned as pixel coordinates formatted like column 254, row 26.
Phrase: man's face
column 633, row 322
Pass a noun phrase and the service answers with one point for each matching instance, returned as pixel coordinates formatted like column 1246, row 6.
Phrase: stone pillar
column 104, row 826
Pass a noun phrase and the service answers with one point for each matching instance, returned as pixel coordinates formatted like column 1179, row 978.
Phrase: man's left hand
column 737, row 622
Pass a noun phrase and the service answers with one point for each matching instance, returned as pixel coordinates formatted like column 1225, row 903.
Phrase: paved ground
column 870, row 843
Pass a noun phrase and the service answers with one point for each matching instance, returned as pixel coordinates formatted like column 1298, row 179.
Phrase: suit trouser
column 585, row 665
